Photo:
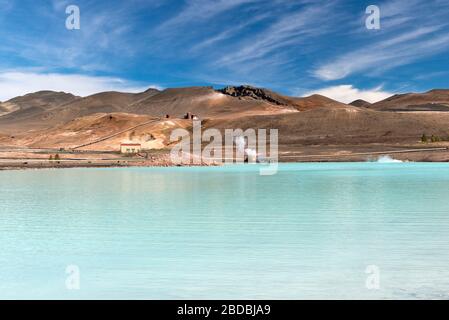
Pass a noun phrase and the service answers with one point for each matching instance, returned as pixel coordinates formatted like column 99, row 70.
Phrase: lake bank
column 39, row 158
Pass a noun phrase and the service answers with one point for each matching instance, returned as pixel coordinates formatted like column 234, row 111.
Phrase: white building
column 130, row 148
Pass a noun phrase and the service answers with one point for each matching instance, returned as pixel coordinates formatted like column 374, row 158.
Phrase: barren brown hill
column 147, row 130
column 360, row 103
column 339, row 126
column 23, row 111
column 252, row 93
column 301, row 121
column 317, row 101
column 204, row 102
column 4, row 109
column 80, row 130
column 41, row 99
column 434, row 100
column 104, row 102
column 249, row 93
column 100, row 115
column 46, row 109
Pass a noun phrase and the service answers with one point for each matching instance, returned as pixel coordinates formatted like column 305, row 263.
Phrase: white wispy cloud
column 275, row 43
column 269, row 54
column 386, row 54
column 228, row 33
column 407, row 35
column 16, row 83
column 104, row 36
column 289, row 30
column 199, row 10
column 348, row 93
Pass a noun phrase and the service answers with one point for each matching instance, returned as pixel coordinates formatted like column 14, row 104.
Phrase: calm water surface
column 310, row 231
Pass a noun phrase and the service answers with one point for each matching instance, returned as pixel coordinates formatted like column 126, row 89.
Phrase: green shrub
column 435, row 138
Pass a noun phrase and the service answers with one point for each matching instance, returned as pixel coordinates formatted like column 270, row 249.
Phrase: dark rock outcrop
column 255, row 93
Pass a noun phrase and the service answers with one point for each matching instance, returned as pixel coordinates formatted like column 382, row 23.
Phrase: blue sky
column 294, row 47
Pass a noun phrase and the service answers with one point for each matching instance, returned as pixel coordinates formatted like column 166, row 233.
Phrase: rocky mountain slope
column 248, row 93
column 49, row 119
column 433, row 100
column 202, row 101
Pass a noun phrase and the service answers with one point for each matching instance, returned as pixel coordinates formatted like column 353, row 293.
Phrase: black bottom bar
column 226, row 309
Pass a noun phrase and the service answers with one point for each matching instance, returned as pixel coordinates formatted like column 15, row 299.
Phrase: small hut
column 130, row 148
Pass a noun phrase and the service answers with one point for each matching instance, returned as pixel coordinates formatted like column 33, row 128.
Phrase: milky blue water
column 310, row 231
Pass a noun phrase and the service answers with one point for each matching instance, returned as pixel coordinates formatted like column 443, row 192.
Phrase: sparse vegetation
column 433, row 138
column 424, row 138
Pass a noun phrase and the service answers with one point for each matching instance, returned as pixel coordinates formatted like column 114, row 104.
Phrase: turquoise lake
column 308, row 232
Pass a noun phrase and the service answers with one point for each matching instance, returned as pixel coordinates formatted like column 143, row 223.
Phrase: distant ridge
column 360, row 103
column 48, row 118
column 42, row 99
column 433, row 100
